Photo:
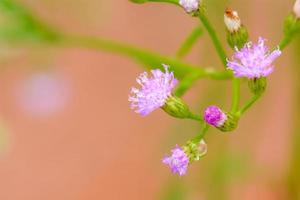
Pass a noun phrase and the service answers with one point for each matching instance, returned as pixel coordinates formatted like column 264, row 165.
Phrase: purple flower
column 214, row 116
column 154, row 91
column 178, row 161
column 253, row 60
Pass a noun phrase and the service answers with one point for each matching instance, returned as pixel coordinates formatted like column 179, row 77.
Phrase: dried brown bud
column 232, row 20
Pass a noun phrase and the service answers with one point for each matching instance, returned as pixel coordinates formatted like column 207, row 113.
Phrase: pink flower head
column 154, row 91
column 214, row 116
column 253, row 60
column 178, row 161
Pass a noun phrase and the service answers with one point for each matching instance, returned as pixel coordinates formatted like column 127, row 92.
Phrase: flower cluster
column 253, row 61
column 156, row 92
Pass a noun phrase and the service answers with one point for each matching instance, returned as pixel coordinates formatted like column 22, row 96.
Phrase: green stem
column 186, row 83
column 235, row 94
column 189, row 41
column 150, row 59
column 195, row 117
column 212, row 33
column 248, row 104
column 201, row 135
column 166, row 1
column 285, row 41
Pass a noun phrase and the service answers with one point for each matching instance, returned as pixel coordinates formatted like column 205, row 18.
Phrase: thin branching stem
column 202, row 133
column 235, row 94
column 189, row 42
column 150, row 59
column 248, row 104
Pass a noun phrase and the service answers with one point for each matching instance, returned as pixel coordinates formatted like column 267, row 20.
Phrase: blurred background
column 67, row 132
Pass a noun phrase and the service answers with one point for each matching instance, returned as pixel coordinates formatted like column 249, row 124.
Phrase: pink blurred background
column 68, row 132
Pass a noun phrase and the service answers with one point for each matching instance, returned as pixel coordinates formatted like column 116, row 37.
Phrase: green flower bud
column 291, row 25
column 195, row 151
column 230, row 124
column 237, row 39
column 237, row 34
column 175, row 107
column 257, row 85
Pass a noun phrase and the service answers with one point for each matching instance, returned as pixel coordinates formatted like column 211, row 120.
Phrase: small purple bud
column 223, row 121
column 214, row 116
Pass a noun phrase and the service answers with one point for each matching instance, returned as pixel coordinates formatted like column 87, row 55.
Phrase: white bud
column 297, row 8
column 190, row 6
column 202, row 148
column 232, row 21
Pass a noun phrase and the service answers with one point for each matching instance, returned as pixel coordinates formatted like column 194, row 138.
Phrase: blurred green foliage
column 19, row 24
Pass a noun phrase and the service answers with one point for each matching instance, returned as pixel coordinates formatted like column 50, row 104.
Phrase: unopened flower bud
column 232, row 20
column 202, row 148
column 191, row 6
column 237, row 34
column 195, row 151
column 257, row 85
column 175, row 107
column 297, row 9
column 214, row 116
column 291, row 25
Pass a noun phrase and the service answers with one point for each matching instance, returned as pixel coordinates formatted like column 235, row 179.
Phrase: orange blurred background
column 68, row 132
